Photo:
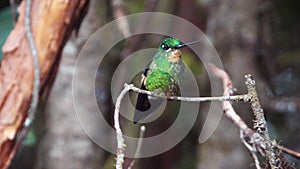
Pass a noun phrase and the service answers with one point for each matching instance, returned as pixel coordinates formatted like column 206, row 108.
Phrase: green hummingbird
column 163, row 75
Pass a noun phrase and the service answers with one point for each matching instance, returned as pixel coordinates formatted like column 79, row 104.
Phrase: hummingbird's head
column 173, row 43
column 172, row 47
column 168, row 46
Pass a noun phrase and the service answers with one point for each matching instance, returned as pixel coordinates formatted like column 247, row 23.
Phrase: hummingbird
column 162, row 75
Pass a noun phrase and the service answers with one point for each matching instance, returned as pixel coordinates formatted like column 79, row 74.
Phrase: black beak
column 186, row 44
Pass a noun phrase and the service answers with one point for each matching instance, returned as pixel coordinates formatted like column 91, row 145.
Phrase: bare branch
column 36, row 82
column 233, row 116
column 120, row 140
column 260, row 123
column 190, row 99
column 139, row 146
column 252, row 149
column 254, row 141
column 227, row 106
column 289, row 151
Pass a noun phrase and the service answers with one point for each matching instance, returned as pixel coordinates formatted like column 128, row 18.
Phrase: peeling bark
column 52, row 24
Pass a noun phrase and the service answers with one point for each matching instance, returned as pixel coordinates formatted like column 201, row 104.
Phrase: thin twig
column 139, row 147
column 289, row 151
column 36, row 82
column 256, row 161
column 208, row 99
column 120, row 139
column 232, row 115
column 227, row 106
column 191, row 99
column 252, row 150
column 255, row 140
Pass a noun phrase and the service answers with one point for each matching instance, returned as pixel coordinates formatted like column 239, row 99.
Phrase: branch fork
column 255, row 141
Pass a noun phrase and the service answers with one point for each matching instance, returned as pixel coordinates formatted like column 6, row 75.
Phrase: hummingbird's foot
column 157, row 93
column 169, row 95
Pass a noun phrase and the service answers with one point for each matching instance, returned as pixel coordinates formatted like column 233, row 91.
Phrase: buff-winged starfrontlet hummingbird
column 163, row 74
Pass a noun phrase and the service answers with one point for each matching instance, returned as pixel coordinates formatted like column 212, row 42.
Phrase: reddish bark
column 52, row 24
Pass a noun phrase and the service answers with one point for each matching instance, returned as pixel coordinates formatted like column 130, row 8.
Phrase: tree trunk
column 52, row 23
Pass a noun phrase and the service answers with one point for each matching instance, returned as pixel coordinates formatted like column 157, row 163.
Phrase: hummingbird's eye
column 164, row 46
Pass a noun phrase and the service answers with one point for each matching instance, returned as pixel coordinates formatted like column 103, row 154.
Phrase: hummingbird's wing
column 142, row 103
column 144, row 107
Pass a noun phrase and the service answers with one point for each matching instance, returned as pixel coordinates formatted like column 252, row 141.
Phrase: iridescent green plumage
column 162, row 75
